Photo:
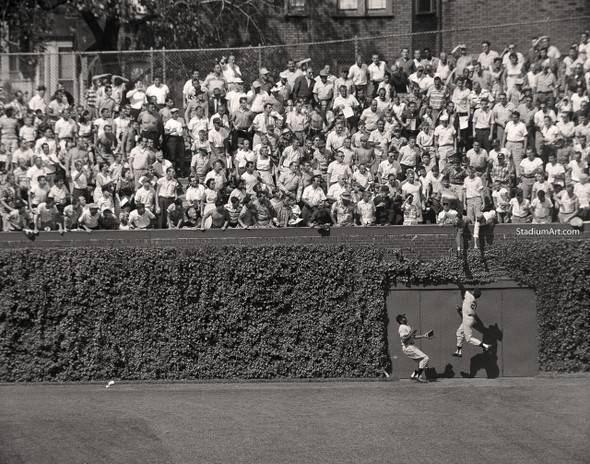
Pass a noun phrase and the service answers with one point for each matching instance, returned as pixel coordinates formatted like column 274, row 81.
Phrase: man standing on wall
column 408, row 337
column 465, row 330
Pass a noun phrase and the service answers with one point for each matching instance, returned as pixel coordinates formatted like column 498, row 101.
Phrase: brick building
column 422, row 23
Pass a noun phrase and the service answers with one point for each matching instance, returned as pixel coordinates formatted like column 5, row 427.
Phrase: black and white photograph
column 294, row 231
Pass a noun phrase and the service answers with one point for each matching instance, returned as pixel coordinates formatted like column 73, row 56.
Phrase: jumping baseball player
column 408, row 337
column 465, row 330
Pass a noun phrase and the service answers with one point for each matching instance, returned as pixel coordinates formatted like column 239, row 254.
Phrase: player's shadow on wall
column 432, row 374
column 487, row 360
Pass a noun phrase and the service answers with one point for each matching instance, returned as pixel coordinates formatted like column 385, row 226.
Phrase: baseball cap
column 444, row 117
column 256, row 84
column 92, row 206
column 41, row 87
column 323, row 73
column 264, row 71
column 399, row 318
column 174, row 110
column 346, row 196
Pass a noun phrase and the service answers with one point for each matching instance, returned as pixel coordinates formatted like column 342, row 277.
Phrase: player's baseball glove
column 429, row 334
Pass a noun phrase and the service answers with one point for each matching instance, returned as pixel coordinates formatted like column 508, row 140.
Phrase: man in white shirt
column 158, row 90
column 487, row 56
column 359, row 74
column 474, row 194
column 515, row 137
column 527, row 169
column 445, row 141
column 174, row 129
column 38, row 101
column 376, row 73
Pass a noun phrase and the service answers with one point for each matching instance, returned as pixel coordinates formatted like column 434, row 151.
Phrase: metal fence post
column 356, row 47
column 151, row 64
column 163, row 64
column 259, row 57
column 83, row 77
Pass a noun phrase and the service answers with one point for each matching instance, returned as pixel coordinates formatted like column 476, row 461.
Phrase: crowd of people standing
column 452, row 139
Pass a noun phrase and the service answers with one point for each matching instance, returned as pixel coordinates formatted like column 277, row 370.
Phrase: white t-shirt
column 159, row 92
column 141, row 221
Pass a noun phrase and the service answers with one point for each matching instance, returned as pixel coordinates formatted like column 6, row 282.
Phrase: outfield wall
column 508, row 322
column 424, row 242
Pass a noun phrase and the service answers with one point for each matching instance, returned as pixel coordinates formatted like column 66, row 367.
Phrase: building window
column 376, row 4
column 348, row 5
column 425, row 7
column 364, row 7
column 296, row 7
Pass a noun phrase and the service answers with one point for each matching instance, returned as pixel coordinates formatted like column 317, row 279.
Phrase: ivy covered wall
column 252, row 312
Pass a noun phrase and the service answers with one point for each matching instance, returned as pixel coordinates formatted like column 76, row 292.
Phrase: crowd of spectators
column 450, row 139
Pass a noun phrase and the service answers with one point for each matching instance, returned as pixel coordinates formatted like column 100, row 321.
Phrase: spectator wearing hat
column 501, row 171
column 265, row 80
column 343, row 211
column 303, row 87
column 37, row 102
column 323, row 89
column 445, row 141
column 137, row 98
column 89, row 218
column 462, row 59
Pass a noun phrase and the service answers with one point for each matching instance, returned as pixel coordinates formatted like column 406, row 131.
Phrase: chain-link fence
column 75, row 70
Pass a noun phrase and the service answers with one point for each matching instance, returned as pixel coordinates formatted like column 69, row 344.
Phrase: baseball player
column 467, row 311
column 408, row 337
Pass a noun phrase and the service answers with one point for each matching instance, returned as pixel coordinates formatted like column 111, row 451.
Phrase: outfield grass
column 520, row 421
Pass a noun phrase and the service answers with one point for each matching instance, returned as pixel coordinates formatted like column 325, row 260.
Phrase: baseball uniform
column 465, row 330
column 409, row 347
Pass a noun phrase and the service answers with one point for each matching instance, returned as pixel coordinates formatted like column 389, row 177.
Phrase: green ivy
column 250, row 313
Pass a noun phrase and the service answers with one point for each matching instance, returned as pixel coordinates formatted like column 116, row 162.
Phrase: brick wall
column 476, row 13
column 425, row 241
column 322, row 23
